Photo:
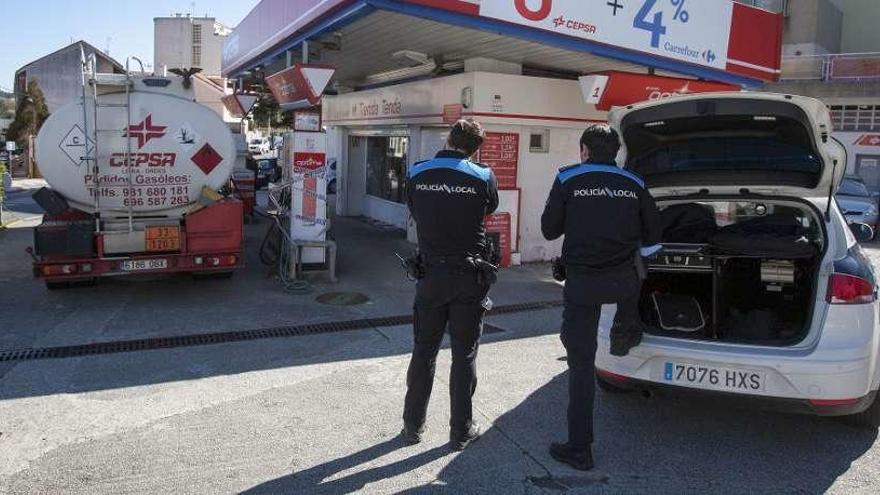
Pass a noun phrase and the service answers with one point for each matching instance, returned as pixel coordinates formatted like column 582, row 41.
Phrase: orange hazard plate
column 163, row 238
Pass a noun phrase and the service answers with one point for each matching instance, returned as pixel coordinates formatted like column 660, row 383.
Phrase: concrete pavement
column 320, row 414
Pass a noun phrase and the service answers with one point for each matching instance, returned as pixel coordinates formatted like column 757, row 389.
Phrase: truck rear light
column 86, row 268
column 51, row 270
column 222, row 260
column 199, row 260
column 849, row 289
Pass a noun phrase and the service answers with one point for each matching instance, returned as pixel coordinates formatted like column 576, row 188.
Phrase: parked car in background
column 258, row 146
column 857, row 203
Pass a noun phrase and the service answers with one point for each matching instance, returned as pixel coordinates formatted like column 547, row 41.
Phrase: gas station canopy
column 374, row 42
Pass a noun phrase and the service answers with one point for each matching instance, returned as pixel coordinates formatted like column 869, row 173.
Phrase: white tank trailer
column 138, row 174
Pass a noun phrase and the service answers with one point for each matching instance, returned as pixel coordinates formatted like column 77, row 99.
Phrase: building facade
column 59, row 74
column 831, row 51
column 184, row 41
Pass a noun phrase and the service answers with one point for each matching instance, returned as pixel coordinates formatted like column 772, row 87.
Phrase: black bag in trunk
column 677, row 313
column 773, row 236
column 688, row 224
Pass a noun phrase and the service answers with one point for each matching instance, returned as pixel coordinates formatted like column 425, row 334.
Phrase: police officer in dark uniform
column 608, row 218
column 449, row 198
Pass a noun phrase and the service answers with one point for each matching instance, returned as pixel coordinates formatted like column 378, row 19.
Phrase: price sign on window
column 500, row 152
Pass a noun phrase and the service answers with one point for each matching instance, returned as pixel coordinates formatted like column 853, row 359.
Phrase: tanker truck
column 138, row 175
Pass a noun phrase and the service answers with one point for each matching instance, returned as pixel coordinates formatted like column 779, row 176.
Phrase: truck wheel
column 611, row 387
column 869, row 418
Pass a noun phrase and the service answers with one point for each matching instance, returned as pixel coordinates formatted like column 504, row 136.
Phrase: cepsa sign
column 696, row 32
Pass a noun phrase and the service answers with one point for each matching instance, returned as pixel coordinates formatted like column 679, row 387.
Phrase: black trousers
column 448, row 297
column 585, row 293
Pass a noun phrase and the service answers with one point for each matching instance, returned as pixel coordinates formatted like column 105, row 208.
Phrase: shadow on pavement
column 656, row 446
column 312, row 480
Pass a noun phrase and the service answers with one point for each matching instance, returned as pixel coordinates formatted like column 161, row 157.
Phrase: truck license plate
column 136, row 265
column 163, row 238
column 713, row 377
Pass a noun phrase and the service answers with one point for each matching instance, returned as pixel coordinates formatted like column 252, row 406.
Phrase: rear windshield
column 719, row 145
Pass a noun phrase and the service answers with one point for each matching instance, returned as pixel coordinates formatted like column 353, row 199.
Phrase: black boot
column 459, row 440
column 411, row 434
column 621, row 342
column 581, row 459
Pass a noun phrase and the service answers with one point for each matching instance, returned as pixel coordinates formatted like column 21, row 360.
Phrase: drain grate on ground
column 240, row 336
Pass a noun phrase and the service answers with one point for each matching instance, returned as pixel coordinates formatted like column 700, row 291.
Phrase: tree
column 6, row 107
column 268, row 112
column 29, row 116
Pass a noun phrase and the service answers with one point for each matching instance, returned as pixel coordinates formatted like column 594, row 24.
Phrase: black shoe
column 459, row 440
column 581, row 459
column 621, row 345
column 412, row 435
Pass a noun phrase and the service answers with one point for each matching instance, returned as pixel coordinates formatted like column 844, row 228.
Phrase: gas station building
column 534, row 72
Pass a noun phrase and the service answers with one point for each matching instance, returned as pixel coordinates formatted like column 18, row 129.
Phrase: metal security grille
column 240, row 336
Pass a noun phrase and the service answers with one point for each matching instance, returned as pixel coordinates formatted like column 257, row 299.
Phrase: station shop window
column 855, row 117
column 386, row 167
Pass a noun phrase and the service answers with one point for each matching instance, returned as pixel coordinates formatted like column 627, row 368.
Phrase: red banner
column 498, row 227
column 625, row 88
column 500, row 151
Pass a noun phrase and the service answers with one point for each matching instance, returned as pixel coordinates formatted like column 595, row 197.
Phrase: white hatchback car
column 763, row 291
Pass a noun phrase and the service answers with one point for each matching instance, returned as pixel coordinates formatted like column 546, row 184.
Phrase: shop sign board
column 452, row 113
column 300, row 86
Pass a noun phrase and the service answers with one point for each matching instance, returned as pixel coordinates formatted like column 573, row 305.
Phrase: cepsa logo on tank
column 544, row 11
column 144, row 132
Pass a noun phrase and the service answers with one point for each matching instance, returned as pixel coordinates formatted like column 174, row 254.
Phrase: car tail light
column 59, row 270
column 849, row 289
column 612, row 376
column 832, row 403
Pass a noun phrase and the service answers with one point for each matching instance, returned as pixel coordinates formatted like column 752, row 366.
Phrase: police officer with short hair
column 607, row 215
column 449, row 197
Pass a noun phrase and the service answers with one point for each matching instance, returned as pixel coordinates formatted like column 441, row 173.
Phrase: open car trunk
column 733, row 174
column 738, row 271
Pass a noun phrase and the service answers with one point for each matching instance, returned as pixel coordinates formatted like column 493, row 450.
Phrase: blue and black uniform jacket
column 606, row 214
column 449, row 198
